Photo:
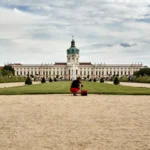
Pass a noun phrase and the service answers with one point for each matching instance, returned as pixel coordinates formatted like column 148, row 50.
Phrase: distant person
column 75, row 86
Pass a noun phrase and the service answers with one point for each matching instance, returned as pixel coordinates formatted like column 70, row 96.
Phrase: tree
column 116, row 81
column 43, row 80
column 28, row 81
column 142, row 72
column 9, row 68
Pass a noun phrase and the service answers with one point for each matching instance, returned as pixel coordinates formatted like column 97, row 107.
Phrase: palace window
column 129, row 73
column 76, row 71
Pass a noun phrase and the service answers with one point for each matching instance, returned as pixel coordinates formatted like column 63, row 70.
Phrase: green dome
column 73, row 49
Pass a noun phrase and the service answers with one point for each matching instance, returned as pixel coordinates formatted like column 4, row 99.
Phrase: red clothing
column 74, row 90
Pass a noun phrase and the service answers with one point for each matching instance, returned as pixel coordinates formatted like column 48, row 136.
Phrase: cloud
column 128, row 44
column 41, row 30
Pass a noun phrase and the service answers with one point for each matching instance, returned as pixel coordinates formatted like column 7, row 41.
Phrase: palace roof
column 85, row 63
column 60, row 63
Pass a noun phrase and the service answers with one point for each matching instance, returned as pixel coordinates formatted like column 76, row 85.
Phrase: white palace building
column 73, row 68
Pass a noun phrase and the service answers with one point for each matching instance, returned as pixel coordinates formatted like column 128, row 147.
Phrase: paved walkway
column 147, row 85
column 4, row 85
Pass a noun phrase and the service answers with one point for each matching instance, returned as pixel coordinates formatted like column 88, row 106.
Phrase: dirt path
column 64, row 122
column 4, row 85
column 147, row 85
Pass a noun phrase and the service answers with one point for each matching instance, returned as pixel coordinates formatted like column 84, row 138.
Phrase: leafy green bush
column 142, row 79
column 1, row 73
column 90, row 79
column 9, row 79
column 2, row 80
column 43, row 80
column 36, row 78
column 123, row 79
column 132, row 79
column 116, row 81
column 28, row 81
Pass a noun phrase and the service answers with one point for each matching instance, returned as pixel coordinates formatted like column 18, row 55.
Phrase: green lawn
column 63, row 88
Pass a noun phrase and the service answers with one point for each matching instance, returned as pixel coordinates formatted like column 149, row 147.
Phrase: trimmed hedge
column 123, row 79
column 142, row 79
column 28, row 81
column 12, row 79
column 102, row 80
column 116, row 81
column 43, row 80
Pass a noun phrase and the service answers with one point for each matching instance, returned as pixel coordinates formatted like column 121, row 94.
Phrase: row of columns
column 79, row 72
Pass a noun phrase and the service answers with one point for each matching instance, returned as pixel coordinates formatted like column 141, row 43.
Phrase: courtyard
column 64, row 122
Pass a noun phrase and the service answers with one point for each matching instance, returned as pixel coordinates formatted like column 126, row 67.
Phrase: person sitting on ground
column 75, row 86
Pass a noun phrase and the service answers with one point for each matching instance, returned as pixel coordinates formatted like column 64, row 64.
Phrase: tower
column 73, row 54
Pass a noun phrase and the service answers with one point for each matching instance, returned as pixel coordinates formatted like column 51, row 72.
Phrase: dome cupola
column 73, row 49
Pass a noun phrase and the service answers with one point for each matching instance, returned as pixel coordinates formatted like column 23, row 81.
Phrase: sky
column 105, row 31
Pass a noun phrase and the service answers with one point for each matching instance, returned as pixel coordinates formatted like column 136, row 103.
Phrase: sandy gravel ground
column 147, row 85
column 3, row 85
column 64, row 122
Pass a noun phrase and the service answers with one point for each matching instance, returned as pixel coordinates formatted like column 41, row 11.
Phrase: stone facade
column 83, row 69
